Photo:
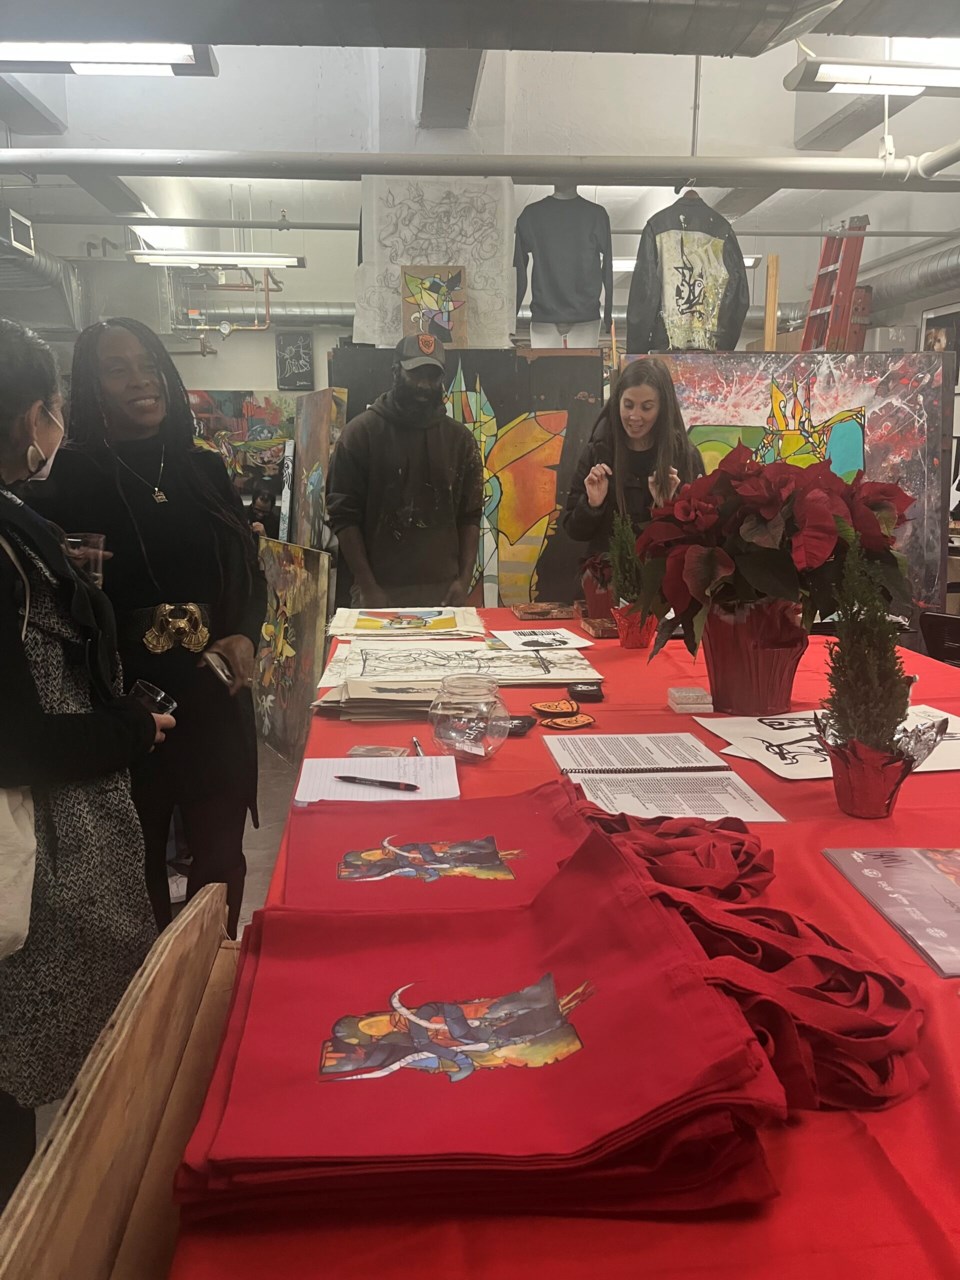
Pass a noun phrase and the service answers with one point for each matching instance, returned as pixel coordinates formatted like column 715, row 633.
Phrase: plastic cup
column 154, row 699
column 88, row 549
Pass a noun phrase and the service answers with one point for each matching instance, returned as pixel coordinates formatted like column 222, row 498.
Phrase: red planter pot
column 632, row 634
column 599, row 599
column 752, row 655
column 867, row 782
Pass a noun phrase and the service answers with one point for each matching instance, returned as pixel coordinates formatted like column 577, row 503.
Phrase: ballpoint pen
column 386, row 784
column 417, row 749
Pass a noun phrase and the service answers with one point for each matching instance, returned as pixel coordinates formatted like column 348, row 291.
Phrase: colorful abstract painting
column 291, row 651
column 247, row 428
column 883, row 413
column 320, row 418
column 428, row 861
column 435, row 302
column 531, row 414
column 455, row 1038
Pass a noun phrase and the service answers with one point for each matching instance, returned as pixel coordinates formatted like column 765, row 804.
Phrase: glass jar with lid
column 468, row 718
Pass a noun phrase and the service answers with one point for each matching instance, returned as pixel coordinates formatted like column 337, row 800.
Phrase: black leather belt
column 165, row 626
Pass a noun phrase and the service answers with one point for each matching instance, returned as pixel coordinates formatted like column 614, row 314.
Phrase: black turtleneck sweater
column 409, row 481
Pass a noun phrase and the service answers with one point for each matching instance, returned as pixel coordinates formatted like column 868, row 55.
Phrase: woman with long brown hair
column 637, row 457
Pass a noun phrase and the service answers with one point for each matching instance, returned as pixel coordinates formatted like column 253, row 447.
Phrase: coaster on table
column 563, row 707
column 581, row 721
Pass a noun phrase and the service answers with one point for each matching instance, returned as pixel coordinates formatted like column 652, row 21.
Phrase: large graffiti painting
column 527, row 1028
column 883, row 414
column 521, row 508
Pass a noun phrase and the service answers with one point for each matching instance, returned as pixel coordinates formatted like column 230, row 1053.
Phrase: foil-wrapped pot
column 866, row 781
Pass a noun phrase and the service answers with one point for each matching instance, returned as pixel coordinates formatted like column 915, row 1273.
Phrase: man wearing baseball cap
column 405, row 490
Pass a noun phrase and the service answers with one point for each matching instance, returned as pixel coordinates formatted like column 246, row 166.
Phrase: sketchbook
column 657, row 775
column 790, row 747
column 918, row 890
column 414, row 664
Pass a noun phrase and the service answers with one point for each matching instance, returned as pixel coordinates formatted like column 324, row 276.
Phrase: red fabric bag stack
column 562, row 1055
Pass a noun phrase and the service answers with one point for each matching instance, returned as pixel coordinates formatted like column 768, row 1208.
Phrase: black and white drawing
column 429, row 663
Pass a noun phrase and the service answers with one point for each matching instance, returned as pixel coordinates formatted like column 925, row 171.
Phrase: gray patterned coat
column 91, row 923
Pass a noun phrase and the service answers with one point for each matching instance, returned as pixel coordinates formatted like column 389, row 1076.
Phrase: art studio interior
column 480, row 599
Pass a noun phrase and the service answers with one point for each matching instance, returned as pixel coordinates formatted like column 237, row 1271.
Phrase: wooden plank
column 150, row 1240
column 68, row 1217
column 771, row 303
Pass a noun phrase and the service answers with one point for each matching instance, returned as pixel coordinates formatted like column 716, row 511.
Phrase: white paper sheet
column 436, row 776
column 677, row 795
column 614, row 751
column 414, row 664
column 542, row 638
column 787, row 745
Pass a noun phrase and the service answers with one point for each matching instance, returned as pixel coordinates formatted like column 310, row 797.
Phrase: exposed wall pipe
column 800, row 172
column 932, row 162
column 265, row 224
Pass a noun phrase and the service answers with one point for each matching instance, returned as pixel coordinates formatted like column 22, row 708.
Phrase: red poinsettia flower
column 692, row 573
column 658, row 537
column 695, row 512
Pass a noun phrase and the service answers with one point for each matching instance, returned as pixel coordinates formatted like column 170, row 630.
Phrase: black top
column 46, row 748
column 409, row 484
column 594, row 525
column 173, row 552
column 689, row 289
column 572, row 260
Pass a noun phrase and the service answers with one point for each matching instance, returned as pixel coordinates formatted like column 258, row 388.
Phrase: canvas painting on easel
column 435, row 302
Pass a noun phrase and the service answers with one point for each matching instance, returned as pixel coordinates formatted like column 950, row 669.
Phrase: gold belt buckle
column 177, row 624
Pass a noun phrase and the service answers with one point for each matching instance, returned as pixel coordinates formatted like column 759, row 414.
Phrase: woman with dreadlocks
column 185, row 584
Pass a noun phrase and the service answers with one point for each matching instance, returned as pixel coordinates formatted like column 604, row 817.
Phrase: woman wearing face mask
column 637, row 458
column 186, row 586
column 66, row 735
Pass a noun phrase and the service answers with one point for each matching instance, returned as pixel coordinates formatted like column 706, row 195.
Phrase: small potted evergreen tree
column 627, row 572
column 863, row 723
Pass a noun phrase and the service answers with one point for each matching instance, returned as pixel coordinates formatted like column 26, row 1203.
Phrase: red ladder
column 831, row 306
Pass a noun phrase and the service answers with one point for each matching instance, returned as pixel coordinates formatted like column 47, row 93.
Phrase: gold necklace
column 158, row 494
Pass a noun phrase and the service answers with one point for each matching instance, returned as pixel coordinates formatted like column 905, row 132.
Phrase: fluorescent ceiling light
column 74, row 51
column 197, row 258
column 120, row 69
column 889, row 90
column 897, row 79
column 752, row 260
column 61, row 57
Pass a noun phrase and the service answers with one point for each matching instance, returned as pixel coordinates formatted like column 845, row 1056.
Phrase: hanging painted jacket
column 689, row 289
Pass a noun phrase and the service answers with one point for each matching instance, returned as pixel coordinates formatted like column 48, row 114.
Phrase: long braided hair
column 88, row 425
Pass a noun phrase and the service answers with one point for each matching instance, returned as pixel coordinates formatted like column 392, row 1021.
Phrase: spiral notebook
column 657, row 775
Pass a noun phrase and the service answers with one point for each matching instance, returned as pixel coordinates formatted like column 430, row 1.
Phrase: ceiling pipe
column 341, row 315
column 922, row 278
column 265, row 224
column 796, row 172
column 932, row 162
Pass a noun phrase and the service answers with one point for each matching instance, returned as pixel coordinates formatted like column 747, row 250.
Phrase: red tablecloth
column 863, row 1197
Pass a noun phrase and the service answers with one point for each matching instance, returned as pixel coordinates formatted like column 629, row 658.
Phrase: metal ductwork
column 341, row 314
column 919, row 279
column 37, row 289
column 892, row 18
column 724, row 28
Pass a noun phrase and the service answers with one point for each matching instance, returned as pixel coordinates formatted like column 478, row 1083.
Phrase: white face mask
column 35, row 453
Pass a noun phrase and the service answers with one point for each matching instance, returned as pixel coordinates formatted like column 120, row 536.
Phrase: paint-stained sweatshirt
column 409, row 484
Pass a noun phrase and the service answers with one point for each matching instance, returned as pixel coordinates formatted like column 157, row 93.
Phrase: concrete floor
column 277, row 781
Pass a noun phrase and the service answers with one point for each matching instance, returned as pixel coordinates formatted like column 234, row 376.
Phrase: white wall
column 246, row 361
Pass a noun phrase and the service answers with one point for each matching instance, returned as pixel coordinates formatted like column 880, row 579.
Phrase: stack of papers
column 657, row 775
column 427, row 663
column 445, row 623
column 542, row 638
column 789, row 745
column 365, row 700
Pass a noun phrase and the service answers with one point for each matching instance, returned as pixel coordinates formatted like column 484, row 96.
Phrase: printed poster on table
column 918, row 890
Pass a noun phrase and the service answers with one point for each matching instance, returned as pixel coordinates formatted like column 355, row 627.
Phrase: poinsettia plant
column 754, row 531
column 599, row 569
